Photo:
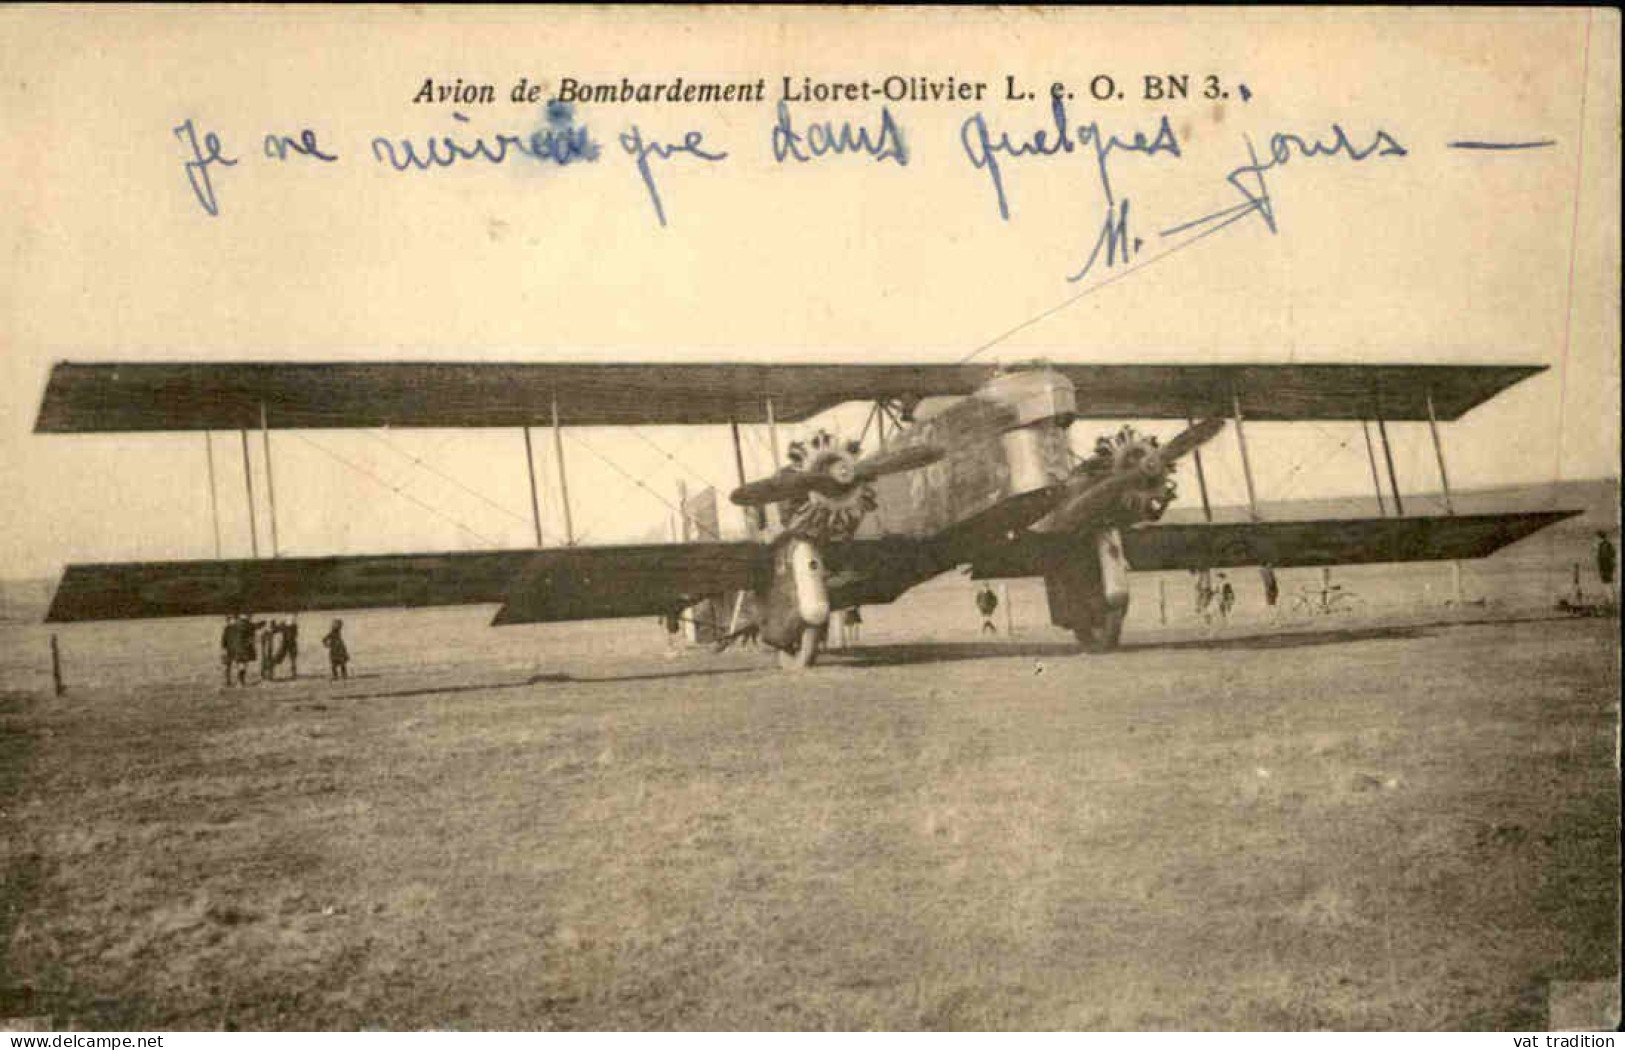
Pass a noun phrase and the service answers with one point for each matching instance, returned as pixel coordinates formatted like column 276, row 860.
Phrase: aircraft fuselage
column 1004, row 441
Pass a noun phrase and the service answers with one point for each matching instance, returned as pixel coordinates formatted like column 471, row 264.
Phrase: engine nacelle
column 797, row 598
column 1088, row 594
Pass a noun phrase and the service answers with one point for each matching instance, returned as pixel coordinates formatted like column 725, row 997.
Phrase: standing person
column 854, row 624
column 242, row 647
column 986, row 602
column 1272, row 586
column 1204, row 593
column 268, row 635
column 290, row 646
column 338, row 655
column 1227, row 598
column 1605, row 562
column 228, row 646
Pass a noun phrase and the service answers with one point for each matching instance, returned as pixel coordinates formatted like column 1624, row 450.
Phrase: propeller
column 1193, row 438
column 895, row 460
column 1101, row 497
column 838, row 476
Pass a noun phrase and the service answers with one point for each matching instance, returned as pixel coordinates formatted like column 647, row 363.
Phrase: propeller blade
column 1099, row 498
column 1093, row 501
column 896, row 460
column 776, row 488
column 793, row 484
column 1191, row 439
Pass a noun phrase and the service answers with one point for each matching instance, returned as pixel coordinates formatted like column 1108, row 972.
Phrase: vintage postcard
column 809, row 518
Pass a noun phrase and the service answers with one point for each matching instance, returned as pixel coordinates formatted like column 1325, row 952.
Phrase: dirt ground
column 1375, row 827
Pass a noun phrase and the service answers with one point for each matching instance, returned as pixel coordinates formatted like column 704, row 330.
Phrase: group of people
column 1214, row 597
column 271, row 642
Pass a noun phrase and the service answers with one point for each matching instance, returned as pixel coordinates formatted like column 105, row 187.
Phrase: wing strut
column 773, row 442
column 1241, row 440
column 270, row 483
column 535, row 503
column 739, row 468
column 248, row 483
column 1376, row 478
column 1444, row 482
column 1388, row 454
column 1201, row 475
column 1438, row 451
column 564, row 482
column 214, row 499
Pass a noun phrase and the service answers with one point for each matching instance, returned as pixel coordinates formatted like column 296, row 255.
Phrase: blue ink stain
column 983, row 149
column 197, row 169
column 1246, row 93
column 633, row 143
column 821, row 138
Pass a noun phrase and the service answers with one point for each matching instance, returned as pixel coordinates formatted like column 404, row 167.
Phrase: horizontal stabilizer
column 108, row 397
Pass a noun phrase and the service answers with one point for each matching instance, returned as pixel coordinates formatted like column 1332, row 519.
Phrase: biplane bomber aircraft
column 987, row 482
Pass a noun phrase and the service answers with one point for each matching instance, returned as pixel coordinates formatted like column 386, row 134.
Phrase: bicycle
column 1327, row 600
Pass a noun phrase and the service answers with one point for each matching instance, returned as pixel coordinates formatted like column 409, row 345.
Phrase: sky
column 1438, row 255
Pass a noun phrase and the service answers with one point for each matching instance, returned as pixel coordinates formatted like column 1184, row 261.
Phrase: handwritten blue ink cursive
column 1114, row 239
column 197, row 169
column 983, row 148
column 633, row 143
column 1541, row 144
column 1283, row 148
column 277, row 147
column 824, row 137
column 560, row 142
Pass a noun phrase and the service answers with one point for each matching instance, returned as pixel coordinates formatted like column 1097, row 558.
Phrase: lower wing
column 532, row 585
column 1153, row 548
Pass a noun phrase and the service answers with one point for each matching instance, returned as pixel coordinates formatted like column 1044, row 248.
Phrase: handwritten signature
column 1248, row 179
column 1115, row 245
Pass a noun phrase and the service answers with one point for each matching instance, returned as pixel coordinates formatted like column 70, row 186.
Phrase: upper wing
column 1153, row 548
column 231, row 396
column 588, row 582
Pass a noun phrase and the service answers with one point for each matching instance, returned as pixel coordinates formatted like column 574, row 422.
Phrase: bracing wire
column 673, row 458
column 423, row 463
column 1284, row 485
column 396, row 489
column 639, row 482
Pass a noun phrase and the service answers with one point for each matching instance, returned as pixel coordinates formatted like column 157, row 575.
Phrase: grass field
column 1371, row 825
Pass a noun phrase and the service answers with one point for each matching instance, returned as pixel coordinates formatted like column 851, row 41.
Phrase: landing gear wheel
column 1104, row 634
column 806, row 653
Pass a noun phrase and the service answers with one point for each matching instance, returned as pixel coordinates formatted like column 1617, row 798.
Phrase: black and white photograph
column 785, row 519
